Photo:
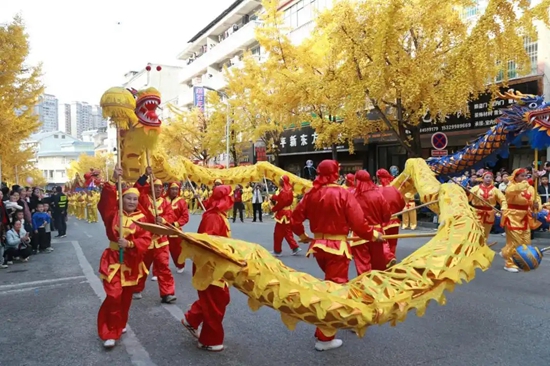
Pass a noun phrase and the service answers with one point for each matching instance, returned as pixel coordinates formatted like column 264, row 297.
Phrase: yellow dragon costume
column 452, row 256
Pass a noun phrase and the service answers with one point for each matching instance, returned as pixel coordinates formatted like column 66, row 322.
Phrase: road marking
column 39, row 283
column 138, row 354
column 37, row 289
column 88, row 235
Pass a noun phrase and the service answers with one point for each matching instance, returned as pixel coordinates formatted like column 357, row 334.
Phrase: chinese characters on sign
column 483, row 114
column 301, row 141
column 198, row 97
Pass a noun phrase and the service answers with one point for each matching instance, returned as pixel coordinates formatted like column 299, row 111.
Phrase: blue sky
column 87, row 46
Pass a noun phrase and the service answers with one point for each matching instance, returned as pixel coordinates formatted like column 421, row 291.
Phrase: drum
column 528, row 257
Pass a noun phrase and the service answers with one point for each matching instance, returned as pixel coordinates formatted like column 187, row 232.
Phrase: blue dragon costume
column 529, row 116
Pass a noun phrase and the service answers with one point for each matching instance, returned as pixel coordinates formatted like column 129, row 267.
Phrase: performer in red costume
column 158, row 253
column 371, row 255
column 119, row 280
column 181, row 214
column 91, row 179
column 396, row 202
column 332, row 212
column 209, row 309
column 283, row 212
column 350, row 181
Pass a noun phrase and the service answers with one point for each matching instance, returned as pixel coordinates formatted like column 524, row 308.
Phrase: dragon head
column 535, row 113
column 147, row 102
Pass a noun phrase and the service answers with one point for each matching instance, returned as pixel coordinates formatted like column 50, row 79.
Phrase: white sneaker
column 217, row 348
column 3, row 266
column 275, row 254
column 296, row 251
column 154, row 278
column 124, row 330
column 180, row 270
column 9, row 262
column 325, row 346
column 137, row 296
column 511, row 269
column 109, row 343
column 194, row 332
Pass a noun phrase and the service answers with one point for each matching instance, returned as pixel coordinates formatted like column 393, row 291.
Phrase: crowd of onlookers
column 26, row 223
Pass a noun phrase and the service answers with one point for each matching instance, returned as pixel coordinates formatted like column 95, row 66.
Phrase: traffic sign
column 439, row 140
column 439, row 153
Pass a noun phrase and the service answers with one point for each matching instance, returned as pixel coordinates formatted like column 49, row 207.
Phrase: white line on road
column 37, row 289
column 88, row 235
column 138, row 354
column 39, row 283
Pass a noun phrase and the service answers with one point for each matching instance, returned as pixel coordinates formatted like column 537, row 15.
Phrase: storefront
column 298, row 145
column 461, row 130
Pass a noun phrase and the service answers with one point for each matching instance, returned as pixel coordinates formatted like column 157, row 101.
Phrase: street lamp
column 227, row 123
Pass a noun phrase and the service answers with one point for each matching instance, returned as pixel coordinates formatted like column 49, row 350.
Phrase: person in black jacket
column 60, row 204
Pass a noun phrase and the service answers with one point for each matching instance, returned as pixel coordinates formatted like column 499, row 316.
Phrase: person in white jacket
column 18, row 243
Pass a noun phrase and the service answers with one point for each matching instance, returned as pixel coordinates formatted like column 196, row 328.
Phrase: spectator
column 17, row 243
column 502, row 186
column 544, row 190
column 39, row 221
column 238, row 204
column 257, row 200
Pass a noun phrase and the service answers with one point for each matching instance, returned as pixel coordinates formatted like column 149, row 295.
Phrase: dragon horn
column 510, row 94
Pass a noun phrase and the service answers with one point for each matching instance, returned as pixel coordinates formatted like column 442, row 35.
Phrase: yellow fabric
column 408, row 219
column 132, row 190
column 451, row 257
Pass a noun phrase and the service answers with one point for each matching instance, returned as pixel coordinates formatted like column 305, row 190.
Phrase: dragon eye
column 533, row 105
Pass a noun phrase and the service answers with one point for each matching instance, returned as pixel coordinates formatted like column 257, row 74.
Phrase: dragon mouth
column 146, row 111
column 541, row 117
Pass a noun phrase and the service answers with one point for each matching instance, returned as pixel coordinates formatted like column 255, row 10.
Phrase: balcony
column 237, row 41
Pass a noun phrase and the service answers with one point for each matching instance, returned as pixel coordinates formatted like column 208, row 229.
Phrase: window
column 55, row 136
column 62, row 136
column 532, row 51
column 302, row 12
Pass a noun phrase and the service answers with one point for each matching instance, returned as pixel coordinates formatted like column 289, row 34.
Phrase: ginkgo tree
column 406, row 58
column 190, row 134
column 20, row 88
column 259, row 103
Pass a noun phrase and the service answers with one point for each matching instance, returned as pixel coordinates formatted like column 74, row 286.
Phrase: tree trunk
column 334, row 150
column 235, row 157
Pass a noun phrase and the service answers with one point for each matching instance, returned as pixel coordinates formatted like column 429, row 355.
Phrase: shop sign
column 198, row 97
column 301, row 141
column 483, row 114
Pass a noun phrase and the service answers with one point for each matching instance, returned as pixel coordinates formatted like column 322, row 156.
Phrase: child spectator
column 17, row 243
column 39, row 221
column 12, row 206
column 48, row 228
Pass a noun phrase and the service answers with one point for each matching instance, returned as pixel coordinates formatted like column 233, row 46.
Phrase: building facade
column 47, row 112
column 54, row 151
column 224, row 41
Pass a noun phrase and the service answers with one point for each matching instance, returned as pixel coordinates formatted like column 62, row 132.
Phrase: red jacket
column 396, row 202
column 132, row 269
column 332, row 212
column 282, row 209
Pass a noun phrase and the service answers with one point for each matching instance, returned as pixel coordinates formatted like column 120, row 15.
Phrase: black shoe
column 168, row 299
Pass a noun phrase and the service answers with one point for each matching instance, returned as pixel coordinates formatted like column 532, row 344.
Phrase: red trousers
column 283, row 231
column 113, row 313
column 160, row 258
column 336, row 268
column 209, row 311
column 371, row 255
column 175, row 251
column 392, row 242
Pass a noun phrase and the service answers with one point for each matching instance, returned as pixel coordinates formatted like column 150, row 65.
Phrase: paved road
column 48, row 309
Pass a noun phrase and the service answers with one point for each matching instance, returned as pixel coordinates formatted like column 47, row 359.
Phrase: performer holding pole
column 396, row 202
column 209, row 309
column 371, row 255
column 332, row 212
column 283, row 212
column 517, row 219
column 492, row 196
column 121, row 265
column 158, row 253
column 181, row 213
